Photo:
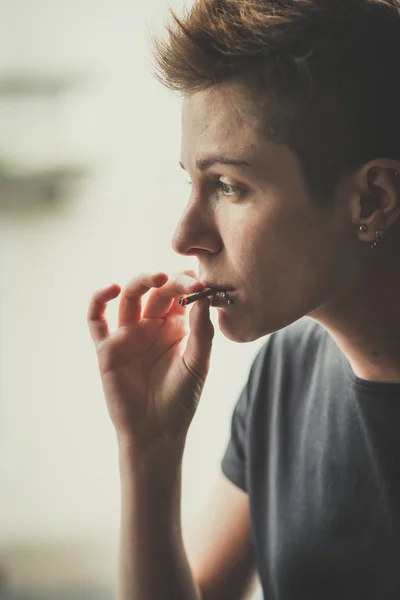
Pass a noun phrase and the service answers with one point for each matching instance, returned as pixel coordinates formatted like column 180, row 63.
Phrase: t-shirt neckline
column 372, row 386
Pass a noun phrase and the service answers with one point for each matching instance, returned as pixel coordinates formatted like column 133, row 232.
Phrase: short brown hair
column 325, row 71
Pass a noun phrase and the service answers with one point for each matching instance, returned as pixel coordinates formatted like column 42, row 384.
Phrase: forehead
column 214, row 118
column 224, row 120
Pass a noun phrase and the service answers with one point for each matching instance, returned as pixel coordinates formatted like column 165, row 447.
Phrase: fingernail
column 189, row 280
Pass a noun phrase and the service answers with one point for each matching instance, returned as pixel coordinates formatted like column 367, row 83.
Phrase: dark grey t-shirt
column 318, row 451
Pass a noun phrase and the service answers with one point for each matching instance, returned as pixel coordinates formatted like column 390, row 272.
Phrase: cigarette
column 185, row 300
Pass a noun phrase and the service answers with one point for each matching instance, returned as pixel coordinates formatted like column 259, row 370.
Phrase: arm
column 152, row 559
column 220, row 545
column 152, row 391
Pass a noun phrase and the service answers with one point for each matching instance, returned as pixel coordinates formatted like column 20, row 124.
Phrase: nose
column 196, row 232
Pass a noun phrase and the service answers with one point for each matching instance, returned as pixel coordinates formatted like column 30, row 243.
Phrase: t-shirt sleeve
column 234, row 462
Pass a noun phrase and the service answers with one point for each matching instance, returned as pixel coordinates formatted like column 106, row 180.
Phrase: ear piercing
column 378, row 236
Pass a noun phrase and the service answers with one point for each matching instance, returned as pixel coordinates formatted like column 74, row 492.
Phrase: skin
column 285, row 256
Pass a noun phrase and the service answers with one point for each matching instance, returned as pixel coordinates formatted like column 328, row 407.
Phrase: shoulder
column 302, row 334
column 298, row 348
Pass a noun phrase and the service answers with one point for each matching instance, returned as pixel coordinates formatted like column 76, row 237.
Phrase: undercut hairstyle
column 324, row 74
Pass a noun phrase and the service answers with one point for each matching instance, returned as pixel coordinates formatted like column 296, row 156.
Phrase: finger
column 161, row 301
column 96, row 313
column 198, row 348
column 130, row 306
column 176, row 308
column 191, row 273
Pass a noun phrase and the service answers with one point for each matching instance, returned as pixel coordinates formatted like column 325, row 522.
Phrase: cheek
column 285, row 262
column 280, row 249
column 250, row 252
column 252, row 239
column 245, row 249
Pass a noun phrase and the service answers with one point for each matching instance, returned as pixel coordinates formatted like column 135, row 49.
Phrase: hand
column 151, row 387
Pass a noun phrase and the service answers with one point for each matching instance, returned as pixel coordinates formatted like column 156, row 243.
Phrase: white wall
column 58, row 461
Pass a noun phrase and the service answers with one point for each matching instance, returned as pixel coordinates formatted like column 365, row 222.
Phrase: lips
column 219, row 287
column 224, row 295
column 223, row 298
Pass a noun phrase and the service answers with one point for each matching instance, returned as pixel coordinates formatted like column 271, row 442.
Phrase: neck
column 365, row 323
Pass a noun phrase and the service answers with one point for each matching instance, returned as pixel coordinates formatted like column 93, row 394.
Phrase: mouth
column 225, row 298
column 224, row 294
column 217, row 287
column 218, row 295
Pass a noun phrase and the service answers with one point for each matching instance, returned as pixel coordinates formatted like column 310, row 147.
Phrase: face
column 253, row 227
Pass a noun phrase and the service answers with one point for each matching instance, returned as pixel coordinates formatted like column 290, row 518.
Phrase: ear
column 375, row 201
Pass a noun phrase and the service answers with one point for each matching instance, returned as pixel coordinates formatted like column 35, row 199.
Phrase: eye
column 227, row 188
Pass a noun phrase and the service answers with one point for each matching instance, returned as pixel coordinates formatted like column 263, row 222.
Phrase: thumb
column 198, row 348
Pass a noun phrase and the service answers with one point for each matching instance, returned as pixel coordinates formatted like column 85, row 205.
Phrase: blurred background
column 90, row 193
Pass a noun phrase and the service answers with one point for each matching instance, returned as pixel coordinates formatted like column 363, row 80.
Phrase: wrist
column 160, row 454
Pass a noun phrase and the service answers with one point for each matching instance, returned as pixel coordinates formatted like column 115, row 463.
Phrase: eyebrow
column 205, row 163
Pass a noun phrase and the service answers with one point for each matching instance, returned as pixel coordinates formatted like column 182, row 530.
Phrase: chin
column 244, row 329
column 237, row 329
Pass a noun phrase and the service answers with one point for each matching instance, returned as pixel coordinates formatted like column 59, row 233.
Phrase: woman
column 291, row 137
